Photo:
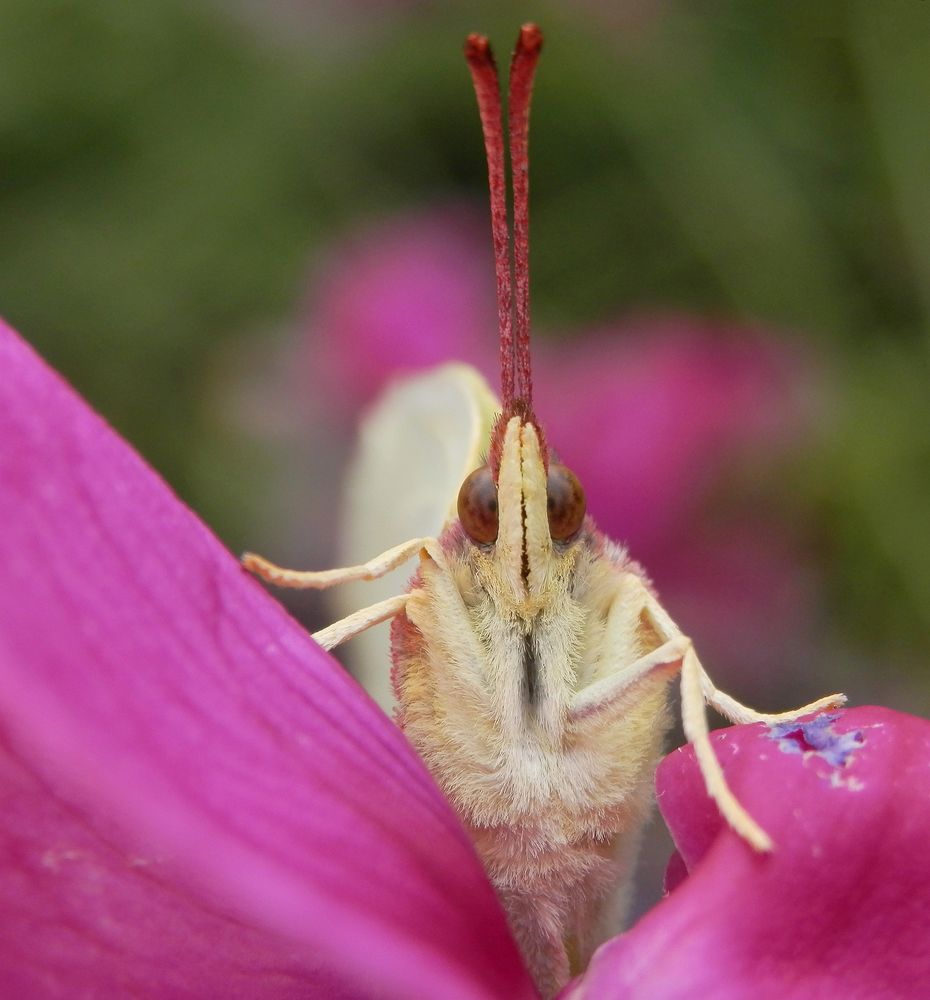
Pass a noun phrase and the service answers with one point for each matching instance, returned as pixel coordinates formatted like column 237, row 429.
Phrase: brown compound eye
column 565, row 501
column 477, row 506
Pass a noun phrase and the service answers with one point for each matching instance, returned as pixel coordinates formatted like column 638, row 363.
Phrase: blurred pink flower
column 399, row 298
column 656, row 417
column 653, row 415
column 199, row 802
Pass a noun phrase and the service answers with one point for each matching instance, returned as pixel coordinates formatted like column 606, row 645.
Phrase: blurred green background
column 171, row 173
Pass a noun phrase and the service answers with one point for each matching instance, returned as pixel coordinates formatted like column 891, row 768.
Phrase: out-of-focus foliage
column 171, row 171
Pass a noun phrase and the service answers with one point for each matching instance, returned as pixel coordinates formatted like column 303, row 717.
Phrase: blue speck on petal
column 817, row 737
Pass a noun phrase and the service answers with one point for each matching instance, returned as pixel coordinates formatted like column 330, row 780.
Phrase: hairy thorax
column 485, row 688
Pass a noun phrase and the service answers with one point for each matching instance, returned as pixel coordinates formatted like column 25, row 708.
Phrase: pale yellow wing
column 416, row 446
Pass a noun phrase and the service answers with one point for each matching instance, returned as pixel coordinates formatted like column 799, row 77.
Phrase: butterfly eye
column 566, row 503
column 478, row 506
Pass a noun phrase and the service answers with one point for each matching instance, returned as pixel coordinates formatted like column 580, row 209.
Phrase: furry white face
column 527, row 522
column 523, row 542
column 525, row 598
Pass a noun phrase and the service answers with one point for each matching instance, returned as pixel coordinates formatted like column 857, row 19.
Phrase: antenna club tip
column 530, row 39
column 477, row 48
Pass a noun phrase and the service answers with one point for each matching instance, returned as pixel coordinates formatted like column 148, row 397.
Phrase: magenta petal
column 85, row 917
column 841, row 909
column 197, row 801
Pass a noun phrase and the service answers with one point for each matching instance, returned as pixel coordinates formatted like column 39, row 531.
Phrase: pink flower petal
column 85, row 917
column 197, row 800
column 842, row 907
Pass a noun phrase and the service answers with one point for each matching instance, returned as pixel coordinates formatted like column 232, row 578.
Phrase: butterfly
column 531, row 656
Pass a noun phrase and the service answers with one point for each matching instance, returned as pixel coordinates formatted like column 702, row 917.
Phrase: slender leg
column 727, row 706
column 602, row 693
column 696, row 687
column 694, row 720
column 320, row 580
column 677, row 652
column 359, row 621
column 731, row 709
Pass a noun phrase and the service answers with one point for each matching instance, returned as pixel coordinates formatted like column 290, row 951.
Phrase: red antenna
column 513, row 317
column 522, row 71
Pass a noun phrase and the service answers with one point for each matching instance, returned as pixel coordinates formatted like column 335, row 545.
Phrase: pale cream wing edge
column 416, row 445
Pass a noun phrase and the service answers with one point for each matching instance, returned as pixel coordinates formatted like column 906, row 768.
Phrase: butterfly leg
column 359, row 621
column 727, row 706
column 731, row 709
column 694, row 722
column 697, row 731
column 675, row 652
column 321, row 579
column 597, row 696
column 350, row 626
